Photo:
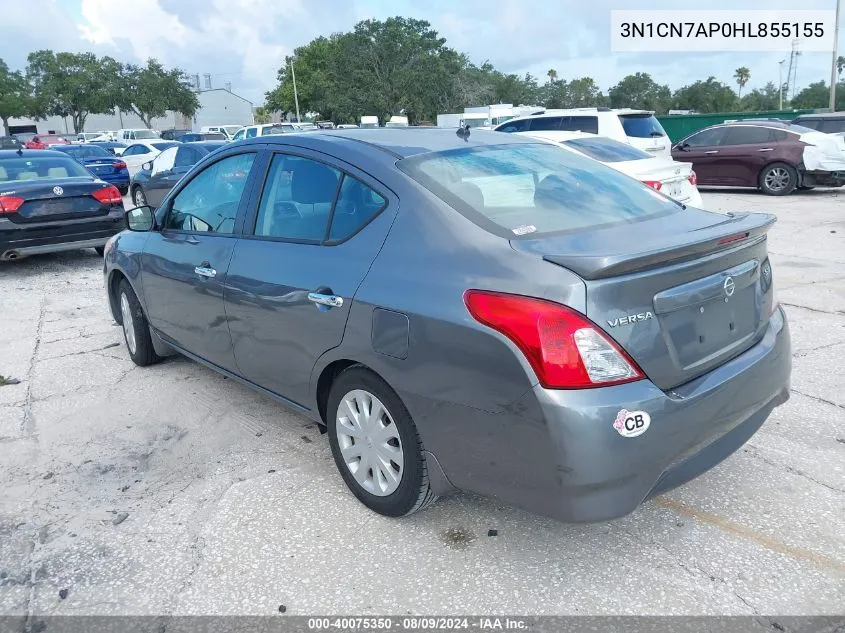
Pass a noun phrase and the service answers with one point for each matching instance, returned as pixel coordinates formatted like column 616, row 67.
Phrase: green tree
column 151, row 91
column 584, row 93
column 552, row 73
column 705, row 96
column 16, row 98
column 817, row 95
column 741, row 75
column 640, row 91
column 261, row 115
column 74, row 84
column 761, row 99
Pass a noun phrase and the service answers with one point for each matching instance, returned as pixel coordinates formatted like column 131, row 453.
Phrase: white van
column 369, row 121
column 226, row 130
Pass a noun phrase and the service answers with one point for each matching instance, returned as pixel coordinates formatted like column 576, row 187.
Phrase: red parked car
column 43, row 141
column 772, row 156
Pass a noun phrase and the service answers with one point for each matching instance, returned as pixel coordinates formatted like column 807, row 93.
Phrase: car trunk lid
column 58, row 200
column 681, row 299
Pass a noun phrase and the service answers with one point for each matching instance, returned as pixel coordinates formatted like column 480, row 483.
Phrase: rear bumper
column 18, row 240
column 823, row 178
column 557, row 453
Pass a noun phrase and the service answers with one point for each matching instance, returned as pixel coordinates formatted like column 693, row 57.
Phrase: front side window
column 297, row 199
column 515, row 190
column 706, row 138
column 209, row 202
column 832, row 126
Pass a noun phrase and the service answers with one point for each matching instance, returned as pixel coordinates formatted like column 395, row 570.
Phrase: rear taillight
column 10, row 204
column 119, row 165
column 654, row 184
column 565, row 349
column 730, row 239
column 767, row 284
column 693, row 179
column 108, row 195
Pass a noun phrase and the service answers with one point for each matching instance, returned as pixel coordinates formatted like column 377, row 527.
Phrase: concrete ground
column 170, row 489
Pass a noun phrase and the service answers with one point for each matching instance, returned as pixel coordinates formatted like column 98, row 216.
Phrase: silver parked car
column 464, row 311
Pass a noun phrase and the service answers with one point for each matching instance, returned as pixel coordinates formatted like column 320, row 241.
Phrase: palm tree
column 552, row 75
column 742, row 75
column 840, row 65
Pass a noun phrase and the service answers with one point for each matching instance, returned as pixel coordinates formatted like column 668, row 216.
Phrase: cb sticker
column 631, row 423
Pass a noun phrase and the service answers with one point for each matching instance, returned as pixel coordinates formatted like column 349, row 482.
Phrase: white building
column 218, row 106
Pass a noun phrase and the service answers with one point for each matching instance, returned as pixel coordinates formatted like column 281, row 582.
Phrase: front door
column 291, row 283
column 185, row 262
column 702, row 150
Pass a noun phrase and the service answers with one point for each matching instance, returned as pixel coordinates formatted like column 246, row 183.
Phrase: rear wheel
column 138, row 197
column 778, row 179
column 376, row 446
column 136, row 330
column 123, row 190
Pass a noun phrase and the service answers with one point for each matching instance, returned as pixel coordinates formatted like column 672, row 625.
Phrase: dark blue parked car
column 100, row 162
column 484, row 312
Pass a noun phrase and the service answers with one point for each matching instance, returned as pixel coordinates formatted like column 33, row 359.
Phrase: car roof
column 209, row 145
column 558, row 135
column 13, row 153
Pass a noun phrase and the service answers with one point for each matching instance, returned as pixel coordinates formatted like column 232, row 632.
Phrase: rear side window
column 297, row 199
column 748, row 135
column 545, row 123
column 515, row 126
column 356, row 205
column 641, row 125
column 530, row 190
column 209, row 202
column 833, row 126
column 813, row 124
column 588, row 124
column 607, row 150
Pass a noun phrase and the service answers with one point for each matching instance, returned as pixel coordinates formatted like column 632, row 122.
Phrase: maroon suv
column 772, row 156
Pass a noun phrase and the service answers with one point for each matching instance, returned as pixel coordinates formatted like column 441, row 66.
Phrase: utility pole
column 295, row 96
column 780, row 84
column 833, row 60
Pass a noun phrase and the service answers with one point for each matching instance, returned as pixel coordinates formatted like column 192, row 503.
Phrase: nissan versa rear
column 483, row 313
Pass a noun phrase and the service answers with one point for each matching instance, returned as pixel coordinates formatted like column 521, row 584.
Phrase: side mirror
column 148, row 166
column 140, row 219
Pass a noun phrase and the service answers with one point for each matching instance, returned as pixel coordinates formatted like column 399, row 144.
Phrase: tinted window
column 251, row 132
column 356, row 205
column 606, row 150
column 136, row 150
column 517, row 190
column 40, row 167
column 515, row 126
column 833, row 126
column 747, row 135
column 588, row 124
column 186, row 156
column 297, row 199
column 813, row 124
column 706, row 138
column 209, row 202
column 544, row 123
column 641, row 125
column 163, row 146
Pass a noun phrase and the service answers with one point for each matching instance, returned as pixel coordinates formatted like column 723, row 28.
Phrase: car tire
column 805, row 188
column 139, row 199
column 101, row 250
column 778, row 179
column 123, row 190
column 379, row 480
column 136, row 330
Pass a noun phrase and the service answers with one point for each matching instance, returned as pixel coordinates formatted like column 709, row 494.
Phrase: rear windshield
column 606, row 150
column 516, row 190
column 85, row 151
column 276, row 129
column 641, row 125
column 40, row 168
column 163, row 146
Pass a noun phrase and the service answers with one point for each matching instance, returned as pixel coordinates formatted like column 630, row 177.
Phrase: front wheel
column 138, row 197
column 778, row 179
column 376, row 446
column 136, row 330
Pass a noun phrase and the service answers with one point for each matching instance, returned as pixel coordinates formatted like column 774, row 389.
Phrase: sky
column 243, row 42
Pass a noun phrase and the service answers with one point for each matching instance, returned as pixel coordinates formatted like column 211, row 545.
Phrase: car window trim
column 246, row 196
column 329, row 161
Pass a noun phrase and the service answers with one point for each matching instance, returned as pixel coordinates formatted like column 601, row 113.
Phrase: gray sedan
column 464, row 311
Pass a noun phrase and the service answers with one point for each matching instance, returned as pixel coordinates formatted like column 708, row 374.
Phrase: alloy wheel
column 777, row 179
column 128, row 322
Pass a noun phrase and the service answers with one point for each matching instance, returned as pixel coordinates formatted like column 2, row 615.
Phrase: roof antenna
column 463, row 130
column 20, row 151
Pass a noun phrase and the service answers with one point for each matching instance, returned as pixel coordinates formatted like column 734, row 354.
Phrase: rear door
column 744, row 151
column 702, row 150
column 185, row 262
column 291, row 283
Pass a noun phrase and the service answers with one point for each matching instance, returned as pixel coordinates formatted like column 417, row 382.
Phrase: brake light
column 730, row 239
column 119, row 165
column 10, row 204
column 693, row 178
column 108, row 195
column 654, row 184
column 565, row 349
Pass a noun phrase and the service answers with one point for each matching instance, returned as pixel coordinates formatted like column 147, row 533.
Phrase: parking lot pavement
column 171, row 489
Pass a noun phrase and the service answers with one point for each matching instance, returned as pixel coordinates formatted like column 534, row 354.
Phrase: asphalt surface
column 171, row 490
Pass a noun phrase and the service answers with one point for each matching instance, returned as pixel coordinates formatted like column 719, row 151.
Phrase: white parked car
column 141, row 152
column 672, row 178
column 227, row 130
column 127, row 135
column 85, row 137
column 639, row 128
column 270, row 129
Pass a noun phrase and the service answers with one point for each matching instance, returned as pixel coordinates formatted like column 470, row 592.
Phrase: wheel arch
column 114, row 279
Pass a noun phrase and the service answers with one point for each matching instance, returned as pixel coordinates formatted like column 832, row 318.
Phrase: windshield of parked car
column 641, row 125
column 163, row 146
column 141, row 134
column 515, row 190
column 28, row 168
column 606, row 150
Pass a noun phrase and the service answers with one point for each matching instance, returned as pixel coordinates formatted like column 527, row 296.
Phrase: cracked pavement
column 233, row 505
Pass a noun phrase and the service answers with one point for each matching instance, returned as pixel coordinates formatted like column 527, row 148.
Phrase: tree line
column 74, row 85
column 402, row 66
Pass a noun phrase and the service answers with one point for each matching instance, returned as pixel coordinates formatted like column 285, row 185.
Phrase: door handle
column 766, row 149
column 712, row 151
column 205, row 270
column 333, row 301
